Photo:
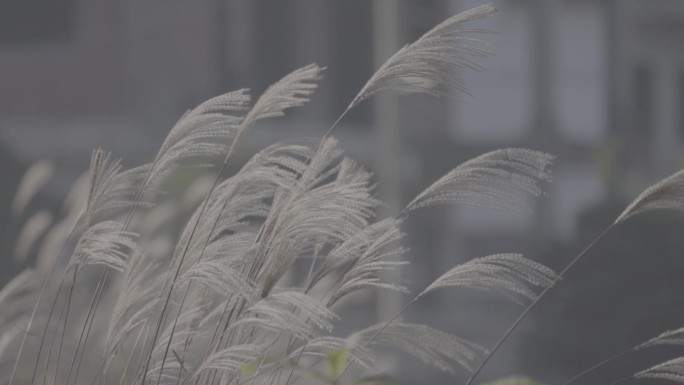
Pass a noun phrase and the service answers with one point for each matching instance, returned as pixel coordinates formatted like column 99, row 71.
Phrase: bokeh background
column 600, row 84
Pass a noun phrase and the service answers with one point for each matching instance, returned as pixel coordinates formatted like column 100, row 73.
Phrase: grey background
column 598, row 83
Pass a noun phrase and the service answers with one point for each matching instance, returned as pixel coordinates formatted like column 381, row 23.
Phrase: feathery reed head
column 672, row 370
column 666, row 194
column 499, row 179
column 431, row 63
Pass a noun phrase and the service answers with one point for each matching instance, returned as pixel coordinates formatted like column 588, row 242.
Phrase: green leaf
column 247, row 370
column 336, row 361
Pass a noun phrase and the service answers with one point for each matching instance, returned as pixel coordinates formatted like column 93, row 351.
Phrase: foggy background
column 600, row 84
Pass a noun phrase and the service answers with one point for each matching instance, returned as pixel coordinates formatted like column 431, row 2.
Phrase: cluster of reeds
column 118, row 295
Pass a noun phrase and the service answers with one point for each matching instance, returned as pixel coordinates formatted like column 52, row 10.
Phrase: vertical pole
column 386, row 118
column 618, row 88
column 665, row 140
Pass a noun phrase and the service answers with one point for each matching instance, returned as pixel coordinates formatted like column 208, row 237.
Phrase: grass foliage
column 246, row 291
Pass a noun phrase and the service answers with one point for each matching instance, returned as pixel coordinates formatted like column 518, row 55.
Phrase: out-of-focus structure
column 586, row 80
column 598, row 83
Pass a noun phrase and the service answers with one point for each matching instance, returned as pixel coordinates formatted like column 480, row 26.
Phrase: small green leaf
column 247, row 370
column 336, row 361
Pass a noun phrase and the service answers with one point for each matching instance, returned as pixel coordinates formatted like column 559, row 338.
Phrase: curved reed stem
column 599, row 365
column 529, row 307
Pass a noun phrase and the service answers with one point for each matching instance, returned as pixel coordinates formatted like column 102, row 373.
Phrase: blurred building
column 586, row 80
column 598, row 83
